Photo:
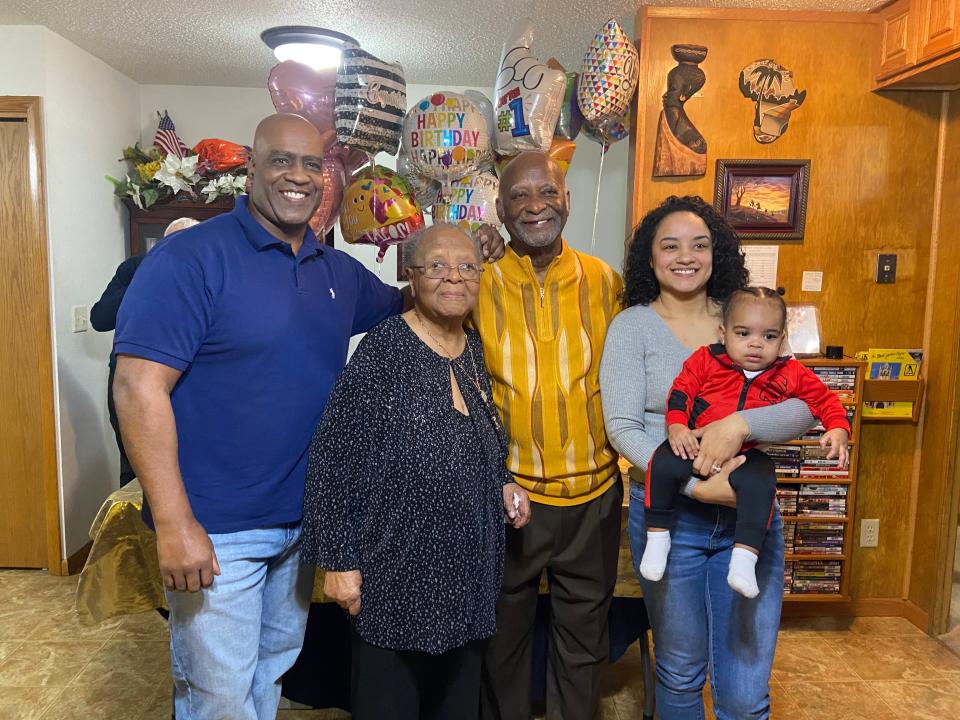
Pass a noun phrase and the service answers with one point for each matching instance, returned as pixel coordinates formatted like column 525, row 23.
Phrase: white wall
column 228, row 113
column 90, row 111
column 22, row 59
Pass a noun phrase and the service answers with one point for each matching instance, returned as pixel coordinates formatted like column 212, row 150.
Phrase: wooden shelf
column 815, row 519
column 795, row 480
column 806, row 443
column 895, row 391
column 815, row 597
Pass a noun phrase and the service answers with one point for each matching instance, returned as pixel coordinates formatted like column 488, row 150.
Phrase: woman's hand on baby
column 719, row 441
column 837, row 440
column 682, row 441
column 716, row 489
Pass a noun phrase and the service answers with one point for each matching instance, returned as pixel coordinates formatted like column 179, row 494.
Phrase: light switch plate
column 886, row 268
column 79, row 315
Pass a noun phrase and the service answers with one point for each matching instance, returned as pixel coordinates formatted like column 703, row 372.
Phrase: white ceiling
column 443, row 42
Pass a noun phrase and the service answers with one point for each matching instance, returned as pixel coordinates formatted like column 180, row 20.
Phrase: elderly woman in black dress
column 407, row 494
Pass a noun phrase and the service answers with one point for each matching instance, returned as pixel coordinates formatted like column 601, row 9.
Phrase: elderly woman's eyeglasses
column 437, row 270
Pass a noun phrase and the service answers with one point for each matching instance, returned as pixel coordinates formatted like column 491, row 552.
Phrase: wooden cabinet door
column 938, row 27
column 898, row 46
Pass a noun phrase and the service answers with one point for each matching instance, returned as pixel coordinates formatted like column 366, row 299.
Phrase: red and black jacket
column 711, row 386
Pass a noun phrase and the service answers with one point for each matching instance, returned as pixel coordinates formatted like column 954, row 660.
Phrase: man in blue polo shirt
column 228, row 342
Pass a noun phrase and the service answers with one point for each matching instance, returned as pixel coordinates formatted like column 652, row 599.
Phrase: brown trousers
column 578, row 546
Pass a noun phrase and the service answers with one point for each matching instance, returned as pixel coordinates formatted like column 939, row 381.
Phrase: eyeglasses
column 437, row 270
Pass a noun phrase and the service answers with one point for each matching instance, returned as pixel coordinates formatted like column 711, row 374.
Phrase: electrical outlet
column 869, row 533
column 79, row 318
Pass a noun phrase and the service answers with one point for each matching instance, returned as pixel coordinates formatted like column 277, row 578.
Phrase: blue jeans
column 232, row 642
column 700, row 625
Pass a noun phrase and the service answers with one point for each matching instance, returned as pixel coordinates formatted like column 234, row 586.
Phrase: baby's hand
column 837, row 440
column 682, row 441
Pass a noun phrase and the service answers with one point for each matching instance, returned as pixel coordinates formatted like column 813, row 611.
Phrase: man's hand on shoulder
column 491, row 243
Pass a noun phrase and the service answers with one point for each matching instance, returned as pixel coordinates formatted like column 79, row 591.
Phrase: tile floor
column 53, row 668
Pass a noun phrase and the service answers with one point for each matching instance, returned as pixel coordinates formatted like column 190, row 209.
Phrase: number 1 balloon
column 527, row 98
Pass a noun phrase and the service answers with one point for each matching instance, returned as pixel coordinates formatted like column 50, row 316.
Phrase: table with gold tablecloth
column 121, row 576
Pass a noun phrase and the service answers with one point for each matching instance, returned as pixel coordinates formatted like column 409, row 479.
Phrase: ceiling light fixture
column 316, row 47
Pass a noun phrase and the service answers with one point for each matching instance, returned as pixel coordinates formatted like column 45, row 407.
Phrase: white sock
column 742, row 575
column 654, row 560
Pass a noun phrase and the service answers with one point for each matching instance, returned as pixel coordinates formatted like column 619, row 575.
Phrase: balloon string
column 373, row 205
column 596, row 207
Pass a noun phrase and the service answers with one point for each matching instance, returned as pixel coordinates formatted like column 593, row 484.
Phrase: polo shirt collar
column 260, row 238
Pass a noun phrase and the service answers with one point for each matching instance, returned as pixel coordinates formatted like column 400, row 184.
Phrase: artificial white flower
column 211, row 191
column 133, row 190
column 178, row 174
column 228, row 185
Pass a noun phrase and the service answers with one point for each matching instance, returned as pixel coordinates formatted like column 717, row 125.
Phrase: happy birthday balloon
column 608, row 75
column 527, row 98
column 483, row 104
column 379, row 210
column 371, row 100
column 424, row 189
column 445, row 136
column 299, row 89
column 470, row 202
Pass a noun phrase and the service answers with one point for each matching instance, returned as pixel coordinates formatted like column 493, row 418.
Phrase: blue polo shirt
column 260, row 336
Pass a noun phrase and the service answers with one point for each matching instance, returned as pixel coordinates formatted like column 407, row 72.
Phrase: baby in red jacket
column 742, row 373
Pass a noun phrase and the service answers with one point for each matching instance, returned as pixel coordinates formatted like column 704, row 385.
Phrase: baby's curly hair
column 729, row 272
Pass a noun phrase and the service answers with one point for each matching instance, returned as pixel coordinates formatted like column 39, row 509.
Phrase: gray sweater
column 641, row 358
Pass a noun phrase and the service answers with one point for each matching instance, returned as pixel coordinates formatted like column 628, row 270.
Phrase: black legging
column 755, row 483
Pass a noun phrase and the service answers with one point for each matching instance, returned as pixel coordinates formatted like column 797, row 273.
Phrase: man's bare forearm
column 141, row 393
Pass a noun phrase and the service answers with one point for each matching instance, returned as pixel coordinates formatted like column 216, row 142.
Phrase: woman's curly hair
column 729, row 272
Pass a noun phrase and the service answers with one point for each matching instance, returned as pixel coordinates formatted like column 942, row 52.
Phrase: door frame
column 30, row 108
column 946, row 547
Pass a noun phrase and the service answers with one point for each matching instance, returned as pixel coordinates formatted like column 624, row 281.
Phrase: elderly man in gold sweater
column 542, row 314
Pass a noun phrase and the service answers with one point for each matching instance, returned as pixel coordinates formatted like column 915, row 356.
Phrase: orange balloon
column 221, row 154
column 562, row 150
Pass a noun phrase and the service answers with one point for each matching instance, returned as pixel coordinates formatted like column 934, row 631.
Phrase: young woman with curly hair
column 682, row 263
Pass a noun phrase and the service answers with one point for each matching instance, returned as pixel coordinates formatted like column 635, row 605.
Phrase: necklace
column 476, row 376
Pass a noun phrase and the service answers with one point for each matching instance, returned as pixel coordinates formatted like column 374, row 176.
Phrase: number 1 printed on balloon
column 520, row 127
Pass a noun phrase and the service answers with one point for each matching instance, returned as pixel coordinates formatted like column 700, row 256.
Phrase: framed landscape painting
column 763, row 199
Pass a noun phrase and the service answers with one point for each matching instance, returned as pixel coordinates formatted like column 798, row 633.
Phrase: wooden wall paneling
column 873, row 160
column 937, row 492
column 883, row 492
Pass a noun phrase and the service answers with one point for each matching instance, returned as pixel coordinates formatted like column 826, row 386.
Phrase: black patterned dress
column 408, row 490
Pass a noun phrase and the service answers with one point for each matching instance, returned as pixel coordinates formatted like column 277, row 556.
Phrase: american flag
column 167, row 139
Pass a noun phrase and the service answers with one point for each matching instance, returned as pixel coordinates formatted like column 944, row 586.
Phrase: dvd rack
column 817, row 496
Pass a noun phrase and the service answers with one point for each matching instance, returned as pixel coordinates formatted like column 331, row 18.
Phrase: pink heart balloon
column 296, row 88
column 334, row 180
column 351, row 158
